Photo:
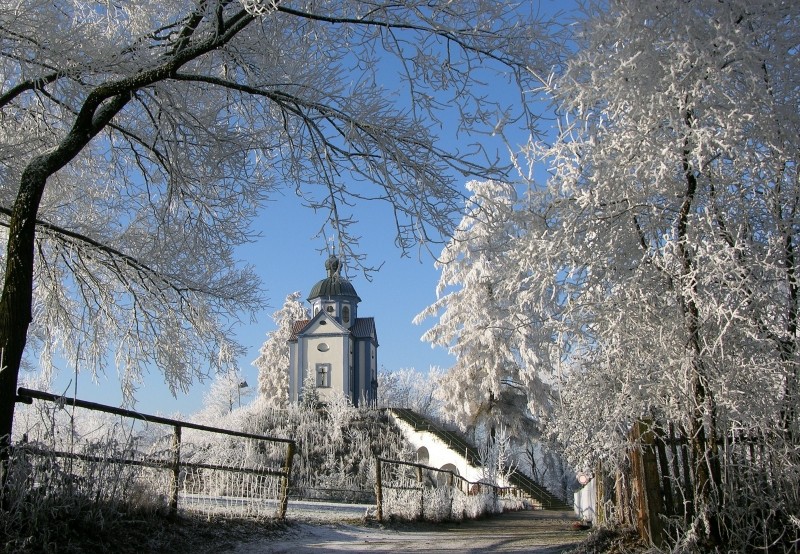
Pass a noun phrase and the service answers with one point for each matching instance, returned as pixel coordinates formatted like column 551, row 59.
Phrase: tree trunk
column 703, row 453
column 789, row 345
column 705, row 463
column 17, row 296
column 99, row 107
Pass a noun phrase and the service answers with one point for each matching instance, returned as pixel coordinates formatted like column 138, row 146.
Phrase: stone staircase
column 457, row 444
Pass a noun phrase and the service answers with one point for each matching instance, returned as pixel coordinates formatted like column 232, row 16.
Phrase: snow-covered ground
column 528, row 531
column 320, row 527
column 308, row 510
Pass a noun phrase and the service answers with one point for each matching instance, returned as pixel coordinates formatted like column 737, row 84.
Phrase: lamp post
column 242, row 385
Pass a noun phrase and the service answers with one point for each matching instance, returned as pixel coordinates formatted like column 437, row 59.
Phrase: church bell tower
column 335, row 347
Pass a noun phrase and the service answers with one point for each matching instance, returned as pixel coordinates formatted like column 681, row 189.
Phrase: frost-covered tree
column 662, row 254
column 310, row 399
column 477, row 323
column 273, row 358
column 496, row 459
column 226, row 393
column 139, row 139
column 412, row 389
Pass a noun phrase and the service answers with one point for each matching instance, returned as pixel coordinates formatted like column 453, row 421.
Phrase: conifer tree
column 273, row 359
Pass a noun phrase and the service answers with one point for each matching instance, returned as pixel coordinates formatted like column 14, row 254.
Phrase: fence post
column 287, row 473
column 688, row 481
column 679, row 499
column 450, row 491
column 663, row 464
column 622, row 487
column 421, row 493
column 378, row 490
column 176, row 470
column 645, row 470
column 599, row 494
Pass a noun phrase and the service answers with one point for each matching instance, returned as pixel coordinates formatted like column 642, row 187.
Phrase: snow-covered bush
column 60, row 483
column 477, row 503
column 412, row 492
column 336, row 444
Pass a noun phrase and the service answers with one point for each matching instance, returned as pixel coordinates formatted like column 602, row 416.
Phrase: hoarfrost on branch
column 139, row 140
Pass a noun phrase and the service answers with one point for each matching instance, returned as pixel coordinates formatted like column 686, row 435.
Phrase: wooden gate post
column 176, row 471
column 378, row 490
column 648, row 484
column 287, row 473
column 599, row 494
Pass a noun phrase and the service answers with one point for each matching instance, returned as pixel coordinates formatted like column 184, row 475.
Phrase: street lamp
column 242, row 385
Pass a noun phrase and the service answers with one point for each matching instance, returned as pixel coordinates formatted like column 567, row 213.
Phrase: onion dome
column 334, row 284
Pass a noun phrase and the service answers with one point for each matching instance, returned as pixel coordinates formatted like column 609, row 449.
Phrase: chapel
column 335, row 347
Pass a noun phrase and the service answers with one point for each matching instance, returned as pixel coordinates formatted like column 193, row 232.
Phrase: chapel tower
column 336, row 347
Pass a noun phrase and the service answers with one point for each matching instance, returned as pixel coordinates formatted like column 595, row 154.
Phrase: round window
column 322, row 347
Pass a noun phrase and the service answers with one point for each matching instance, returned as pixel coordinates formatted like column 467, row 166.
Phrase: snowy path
column 542, row 532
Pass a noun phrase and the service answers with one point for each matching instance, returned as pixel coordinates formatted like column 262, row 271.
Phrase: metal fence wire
column 122, row 456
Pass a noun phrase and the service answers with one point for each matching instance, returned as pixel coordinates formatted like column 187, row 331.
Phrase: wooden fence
column 654, row 487
column 174, row 464
column 433, row 485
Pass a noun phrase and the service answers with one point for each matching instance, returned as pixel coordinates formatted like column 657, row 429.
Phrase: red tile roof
column 363, row 328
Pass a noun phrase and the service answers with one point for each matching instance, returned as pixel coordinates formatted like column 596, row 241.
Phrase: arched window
column 346, row 314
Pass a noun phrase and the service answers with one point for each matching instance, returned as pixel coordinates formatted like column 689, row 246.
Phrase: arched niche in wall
column 423, row 457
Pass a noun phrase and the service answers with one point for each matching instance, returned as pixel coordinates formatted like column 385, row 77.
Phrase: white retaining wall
column 439, row 454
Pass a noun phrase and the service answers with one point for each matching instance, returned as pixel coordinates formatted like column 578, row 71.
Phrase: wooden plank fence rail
column 174, row 464
column 154, row 463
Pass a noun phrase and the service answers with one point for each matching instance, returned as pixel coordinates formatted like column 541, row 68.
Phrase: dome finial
column 334, row 285
column 333, row 266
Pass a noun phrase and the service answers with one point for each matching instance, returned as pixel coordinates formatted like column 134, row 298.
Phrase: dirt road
column 542, row 532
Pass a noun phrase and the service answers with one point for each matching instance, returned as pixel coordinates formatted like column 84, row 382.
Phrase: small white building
column 336, row 346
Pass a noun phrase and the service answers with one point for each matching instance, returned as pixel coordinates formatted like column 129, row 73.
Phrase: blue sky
column 286, row 259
